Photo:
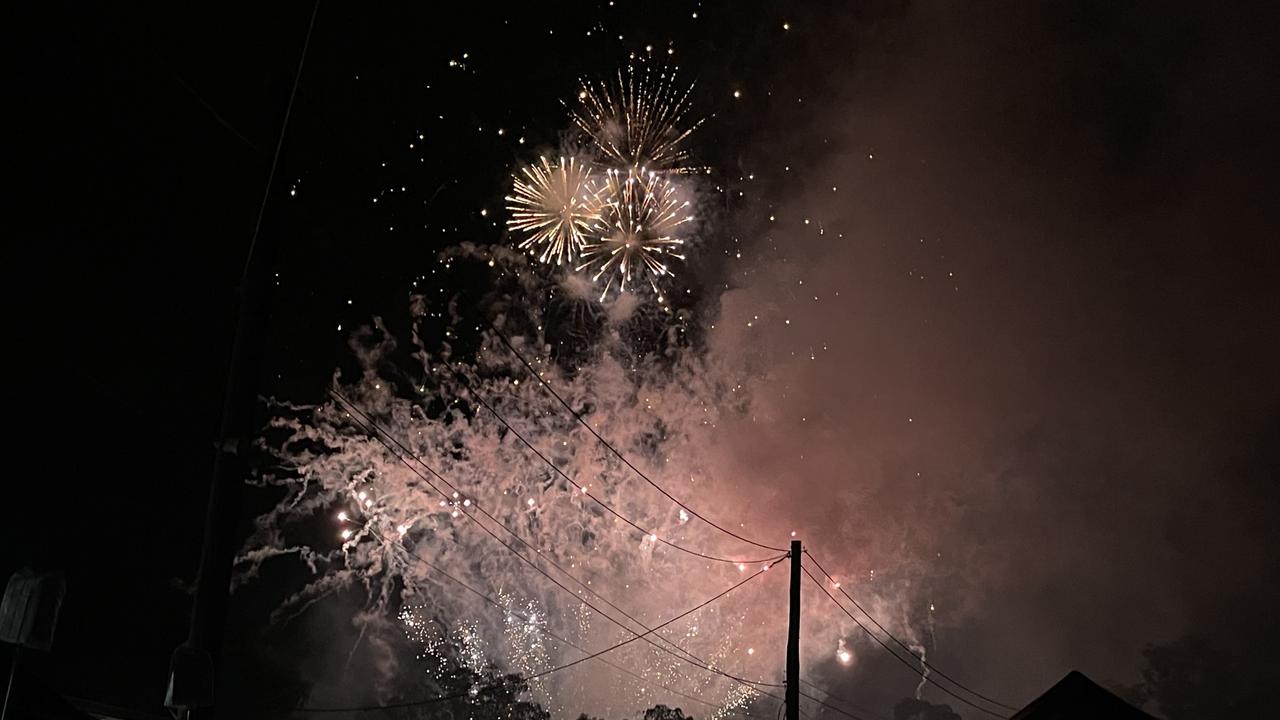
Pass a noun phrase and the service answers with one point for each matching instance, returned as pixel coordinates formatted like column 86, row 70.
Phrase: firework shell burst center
column 638, row 230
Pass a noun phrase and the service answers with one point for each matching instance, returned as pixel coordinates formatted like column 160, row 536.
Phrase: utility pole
column 194, row 664
column 793, row 638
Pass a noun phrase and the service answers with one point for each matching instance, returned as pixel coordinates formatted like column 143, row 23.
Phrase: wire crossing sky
column 542, row 381
column 379, row 433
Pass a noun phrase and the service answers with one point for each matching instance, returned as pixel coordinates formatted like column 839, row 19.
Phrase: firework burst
column 556, row 206
column 638, row 122
column 639, row 222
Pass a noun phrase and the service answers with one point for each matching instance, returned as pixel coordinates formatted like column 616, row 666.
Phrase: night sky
column 1003, row 277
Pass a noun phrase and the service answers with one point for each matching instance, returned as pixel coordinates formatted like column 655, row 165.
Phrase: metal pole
column 793, row 638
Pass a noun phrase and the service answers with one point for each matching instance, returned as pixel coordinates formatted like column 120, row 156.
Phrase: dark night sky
column 1061, row 264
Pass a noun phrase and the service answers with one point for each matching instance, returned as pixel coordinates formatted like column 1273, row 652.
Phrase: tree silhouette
column 662, row 712
column 912, row 709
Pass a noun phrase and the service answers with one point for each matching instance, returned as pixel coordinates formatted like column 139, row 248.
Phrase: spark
column 640, row 219
column 842, row 653
column 556, row 206
column 640, row 120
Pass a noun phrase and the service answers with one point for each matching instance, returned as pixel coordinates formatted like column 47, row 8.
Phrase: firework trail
column 639, row 224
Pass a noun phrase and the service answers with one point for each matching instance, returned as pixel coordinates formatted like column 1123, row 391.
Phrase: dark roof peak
column 1076, row 696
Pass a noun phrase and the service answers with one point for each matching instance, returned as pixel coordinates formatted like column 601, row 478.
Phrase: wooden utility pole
column 793, row 638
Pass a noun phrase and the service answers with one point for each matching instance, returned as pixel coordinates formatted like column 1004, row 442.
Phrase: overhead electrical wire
column 377, row 432
column 489, row 599
column 577, row 416
column 544, row 673
column 583, row 489
column 899, row 658
column 617, row 453
column 830, row 695
column 275, row 158
column 370, row 426
column 903, row 645
column 829, row 706
column 373, row 429
column 569, row 643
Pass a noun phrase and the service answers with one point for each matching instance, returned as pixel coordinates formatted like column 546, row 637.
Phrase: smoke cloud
column 1010, row 312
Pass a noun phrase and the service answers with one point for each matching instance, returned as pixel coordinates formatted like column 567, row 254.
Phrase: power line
column 619, row 455
column 377, row 432
column 581, row 488
column 902, row 644
column 691, row 658
column 275, row 158
column 829, row 706
column 831, row 695
column 489, row 599
column 581, row 420
column 544, row 673
column 924, row 676
column 697, row 662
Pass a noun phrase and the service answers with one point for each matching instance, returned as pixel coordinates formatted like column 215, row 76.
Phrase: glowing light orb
column 843, row 654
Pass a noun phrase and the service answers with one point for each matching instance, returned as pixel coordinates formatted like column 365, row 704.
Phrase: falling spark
column 556, row 205
column 640, row 219
column 640, row 120
column 842, row 653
